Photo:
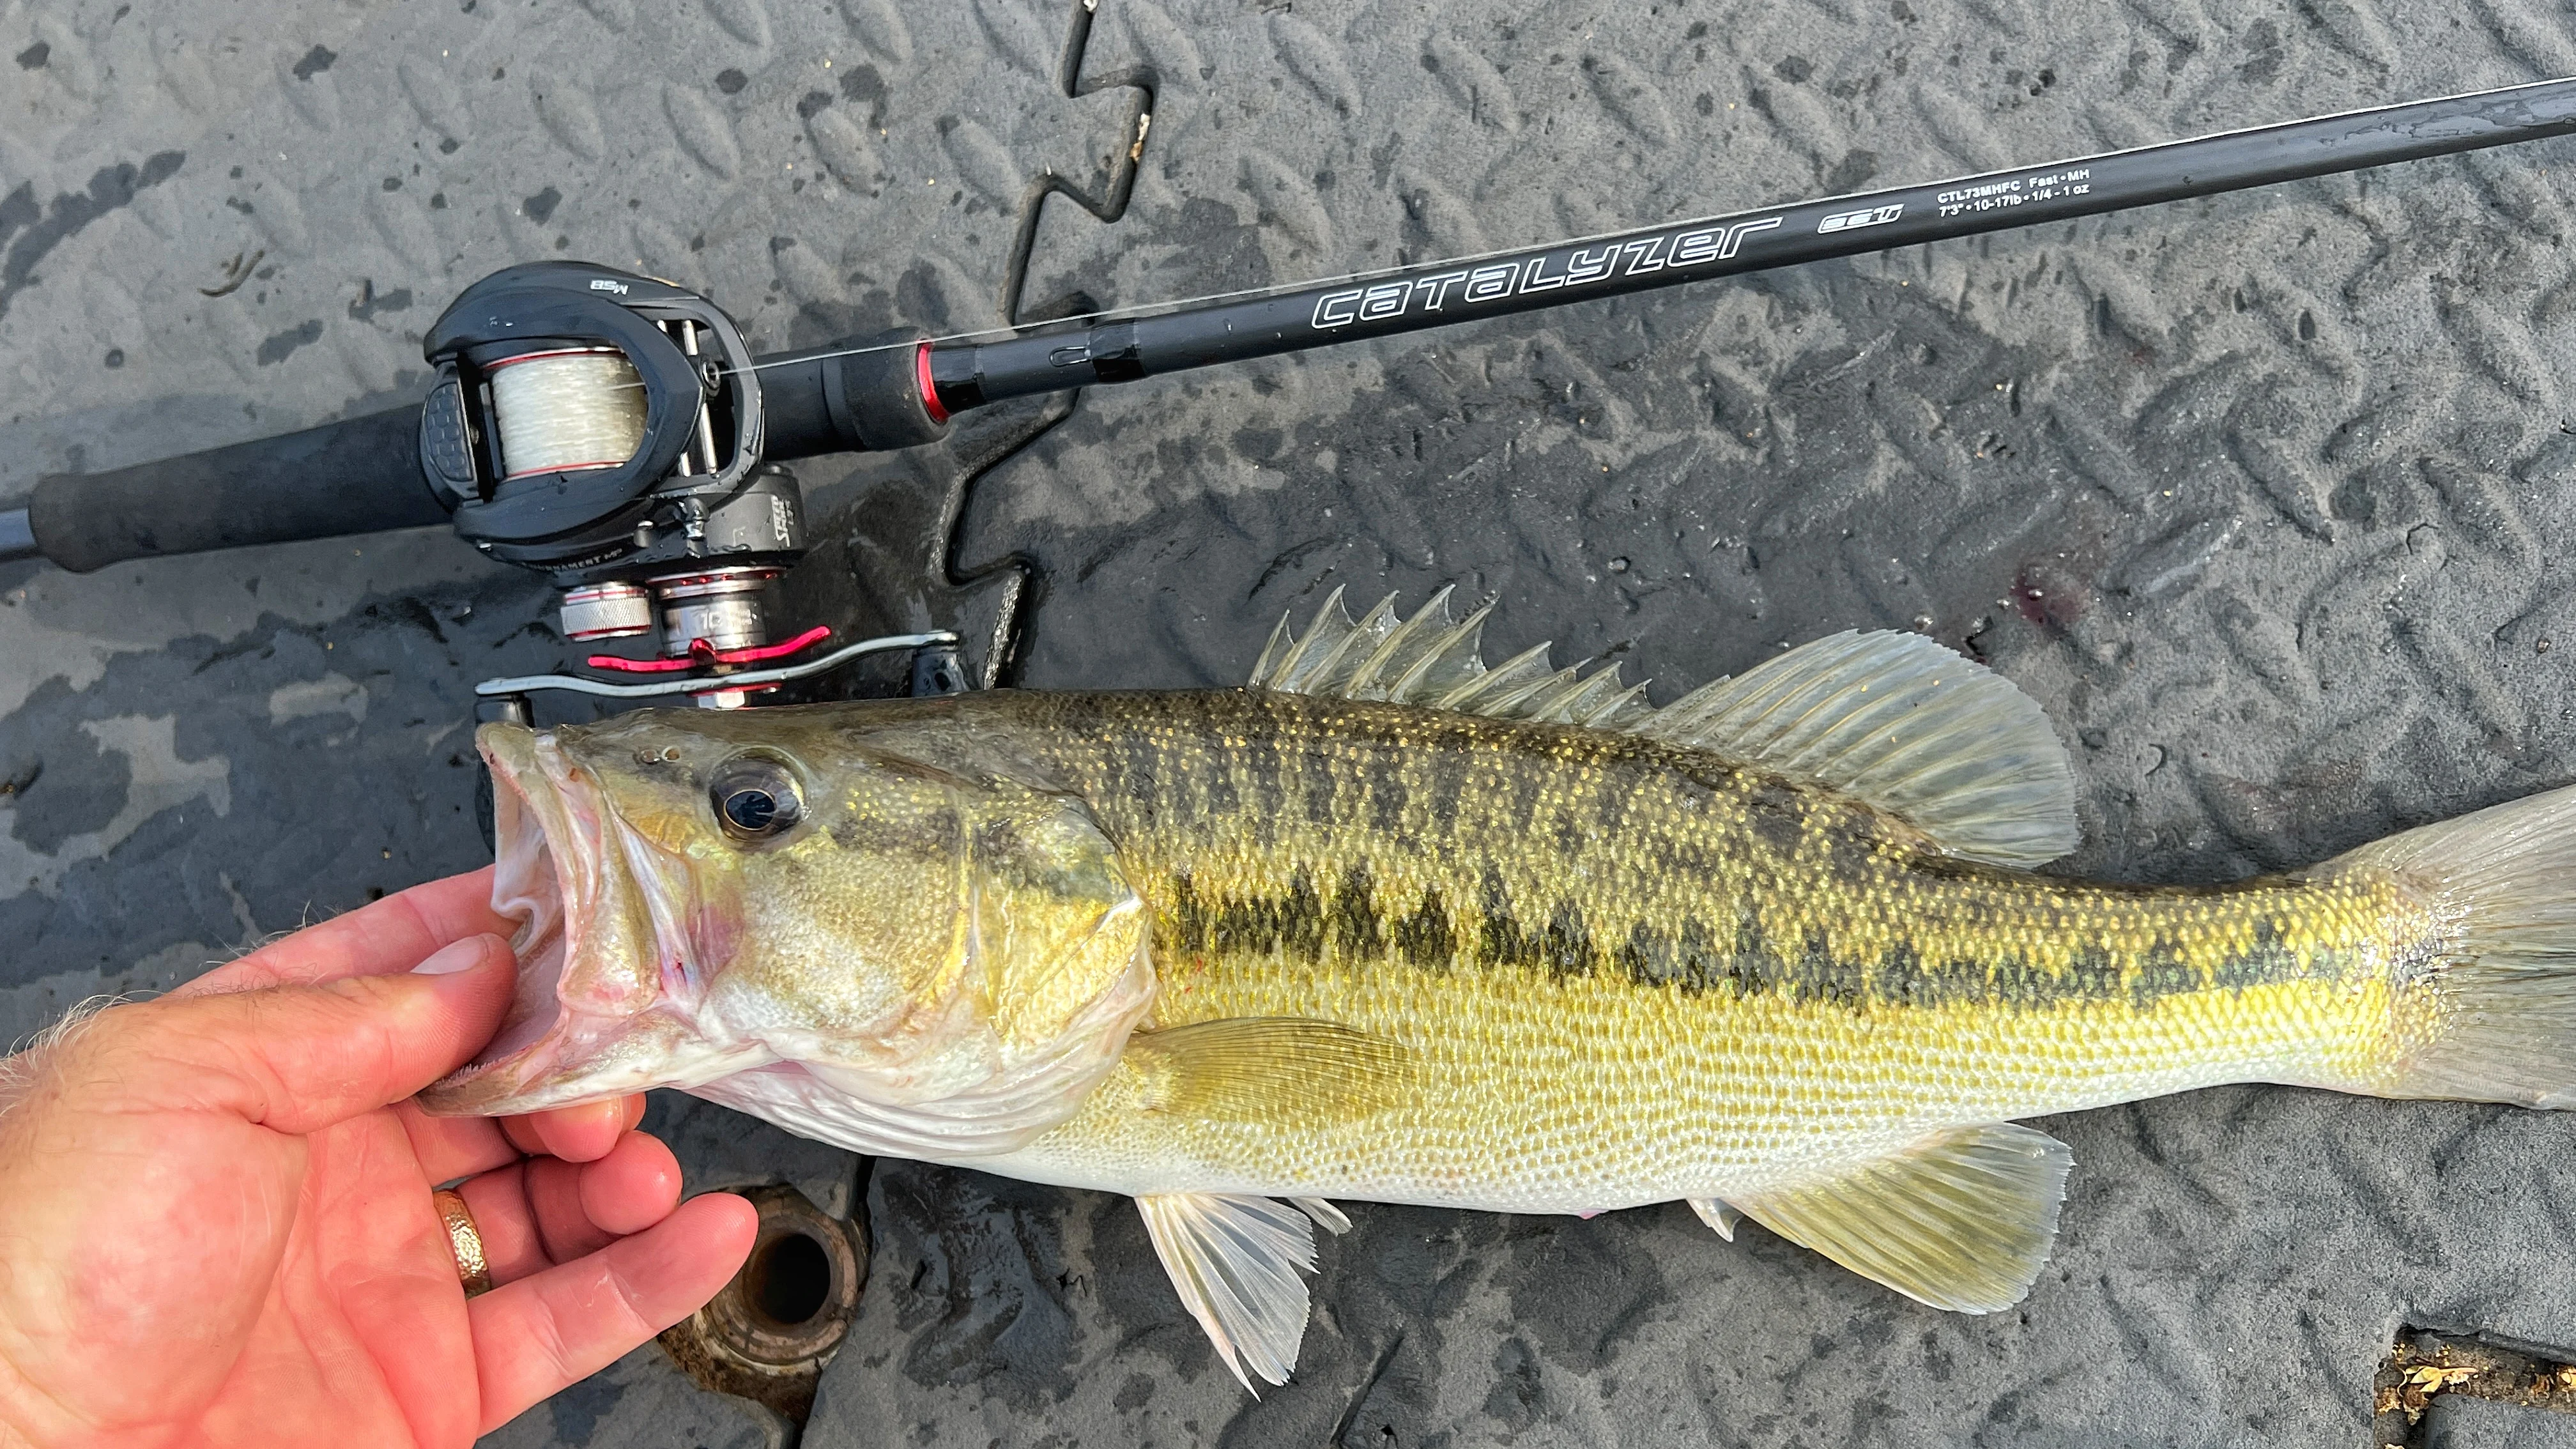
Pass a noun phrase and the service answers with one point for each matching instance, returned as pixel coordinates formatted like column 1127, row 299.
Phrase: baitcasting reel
column 609, row 431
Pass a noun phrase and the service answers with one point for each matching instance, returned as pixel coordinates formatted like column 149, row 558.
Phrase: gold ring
column 464, row 1241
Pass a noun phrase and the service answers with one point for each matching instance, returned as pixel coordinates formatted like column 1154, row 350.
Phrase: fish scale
column 1560, row 1073
column 1391, row 924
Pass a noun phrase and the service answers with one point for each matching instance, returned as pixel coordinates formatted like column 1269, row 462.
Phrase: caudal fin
column 2490, row 1008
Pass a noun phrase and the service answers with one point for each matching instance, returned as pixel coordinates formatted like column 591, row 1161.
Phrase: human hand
column 215, row 1215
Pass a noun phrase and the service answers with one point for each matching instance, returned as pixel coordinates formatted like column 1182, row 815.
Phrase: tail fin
column 2501, row 981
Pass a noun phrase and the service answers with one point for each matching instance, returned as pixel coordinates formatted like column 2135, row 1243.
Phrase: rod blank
column 1442, row 293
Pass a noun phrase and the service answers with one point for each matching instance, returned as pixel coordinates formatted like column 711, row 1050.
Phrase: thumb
column 300, row 1058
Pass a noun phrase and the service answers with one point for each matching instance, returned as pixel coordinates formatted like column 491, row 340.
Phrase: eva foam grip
column 358, row 475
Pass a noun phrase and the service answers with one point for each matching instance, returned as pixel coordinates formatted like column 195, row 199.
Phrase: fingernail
column 454, row 956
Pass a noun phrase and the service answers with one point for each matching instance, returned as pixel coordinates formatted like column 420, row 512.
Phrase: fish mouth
column 583, row 1023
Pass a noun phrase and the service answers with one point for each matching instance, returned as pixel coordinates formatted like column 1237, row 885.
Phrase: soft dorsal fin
column 1897, row 720
column 1961, row 1220
column 1892, row 719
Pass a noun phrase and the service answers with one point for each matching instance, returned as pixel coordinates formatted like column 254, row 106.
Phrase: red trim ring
column 929, row 388
column 617, row 352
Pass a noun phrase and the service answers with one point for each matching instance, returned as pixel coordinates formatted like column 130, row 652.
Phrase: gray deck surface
column 2264, row 498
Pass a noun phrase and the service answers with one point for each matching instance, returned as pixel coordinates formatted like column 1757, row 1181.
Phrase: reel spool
column 566, row 411
column 606, row 429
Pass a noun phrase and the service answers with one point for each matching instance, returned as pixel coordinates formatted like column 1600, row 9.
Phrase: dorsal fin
column 1947, row 745
column 1891, row 719
column 1430, row 660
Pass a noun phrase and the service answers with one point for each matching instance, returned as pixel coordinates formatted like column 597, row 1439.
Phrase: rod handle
column 358, row 475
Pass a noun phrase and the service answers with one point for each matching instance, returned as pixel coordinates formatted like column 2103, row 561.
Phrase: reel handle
column 358, row 475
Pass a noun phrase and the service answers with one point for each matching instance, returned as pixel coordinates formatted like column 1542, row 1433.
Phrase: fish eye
column 755, row 798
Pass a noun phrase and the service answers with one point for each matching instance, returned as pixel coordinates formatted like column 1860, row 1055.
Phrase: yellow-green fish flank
column 1622, row 968
column 1394, row 925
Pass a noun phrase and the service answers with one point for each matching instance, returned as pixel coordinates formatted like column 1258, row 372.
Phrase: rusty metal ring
column 464, row 1240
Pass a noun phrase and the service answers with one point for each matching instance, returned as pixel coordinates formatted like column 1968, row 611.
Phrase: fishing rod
column 615, row 432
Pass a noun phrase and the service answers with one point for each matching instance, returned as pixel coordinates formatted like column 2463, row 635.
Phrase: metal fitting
column 766, row 1335
column 721, row 606
column 606, row 611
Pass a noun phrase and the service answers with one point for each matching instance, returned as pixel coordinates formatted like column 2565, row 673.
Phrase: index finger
column 393, row 934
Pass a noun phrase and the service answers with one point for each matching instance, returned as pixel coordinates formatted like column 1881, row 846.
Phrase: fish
column 1392, row 925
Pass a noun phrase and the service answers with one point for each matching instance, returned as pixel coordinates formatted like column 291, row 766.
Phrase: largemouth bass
column 1390, row 925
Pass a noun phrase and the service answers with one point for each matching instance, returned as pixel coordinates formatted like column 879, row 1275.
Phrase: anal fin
column 1235, row 1261
column 1718, row 1215
column 1961, row 1220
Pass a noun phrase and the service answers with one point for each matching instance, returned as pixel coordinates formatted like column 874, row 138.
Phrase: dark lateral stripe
column 1566, row 946
column 1289, row 923
column 1722, row 875
column 1426, row 939
column 1501, row 942
column 1351, row 921
column 1354, row 918
column 2161, row 973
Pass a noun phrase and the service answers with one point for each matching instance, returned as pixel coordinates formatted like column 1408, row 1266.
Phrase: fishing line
column 567, row 410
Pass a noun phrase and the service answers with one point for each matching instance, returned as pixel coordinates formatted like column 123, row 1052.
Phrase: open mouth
column 546, row 837
column 605, row 1002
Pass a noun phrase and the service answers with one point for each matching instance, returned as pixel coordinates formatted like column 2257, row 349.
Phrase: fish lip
column 565, row 862
column 546, row 825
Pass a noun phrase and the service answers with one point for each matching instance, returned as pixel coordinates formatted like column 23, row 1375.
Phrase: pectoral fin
column 1962, row 1220
column 1268, row 1068
column 1235, row 1262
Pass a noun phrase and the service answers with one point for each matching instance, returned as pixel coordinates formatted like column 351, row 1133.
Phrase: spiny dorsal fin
column 1430, row 660
column 1891, row 719
column 1961, row 1220
column 1235, row 1260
